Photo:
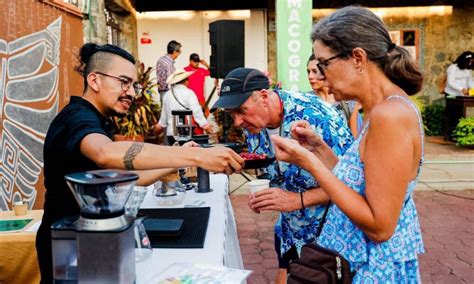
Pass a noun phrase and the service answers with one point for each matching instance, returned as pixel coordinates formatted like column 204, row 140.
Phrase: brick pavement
column 447, row 223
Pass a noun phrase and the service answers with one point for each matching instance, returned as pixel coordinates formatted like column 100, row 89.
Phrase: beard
column 113, row 112
column 117, row 114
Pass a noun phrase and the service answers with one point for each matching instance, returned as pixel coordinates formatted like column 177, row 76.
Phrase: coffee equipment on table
column 98, row 246
column 202, row 174
column 182, row 125
column 182, row 132
column 171, row 192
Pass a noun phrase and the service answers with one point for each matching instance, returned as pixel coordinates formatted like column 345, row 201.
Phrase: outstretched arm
column 148, row 177
column 144, row 156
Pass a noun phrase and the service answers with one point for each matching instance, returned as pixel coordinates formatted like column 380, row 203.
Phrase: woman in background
column 349, row 110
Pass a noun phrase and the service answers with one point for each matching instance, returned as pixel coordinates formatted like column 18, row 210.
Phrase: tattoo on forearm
column 131, row 153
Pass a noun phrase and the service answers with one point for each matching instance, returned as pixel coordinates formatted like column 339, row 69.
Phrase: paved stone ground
column 447, row 222
column 437, row 148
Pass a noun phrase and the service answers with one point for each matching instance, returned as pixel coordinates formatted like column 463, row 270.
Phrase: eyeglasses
column 322, row 65
column 125, row 84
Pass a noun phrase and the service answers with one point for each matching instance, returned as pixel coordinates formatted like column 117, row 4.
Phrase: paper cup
column 258, row 184
column 20, row 209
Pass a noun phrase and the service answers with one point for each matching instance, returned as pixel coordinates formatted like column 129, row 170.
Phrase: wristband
column 302, row 203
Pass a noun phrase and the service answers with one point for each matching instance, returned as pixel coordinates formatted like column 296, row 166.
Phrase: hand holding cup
column 258, row 184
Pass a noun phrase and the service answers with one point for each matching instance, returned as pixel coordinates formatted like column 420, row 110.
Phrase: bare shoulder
column 394, row 111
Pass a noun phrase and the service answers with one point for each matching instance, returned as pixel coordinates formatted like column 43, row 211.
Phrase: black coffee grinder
column 202, row 174
column 99, row 245
column 182, row 125
column 183, row 132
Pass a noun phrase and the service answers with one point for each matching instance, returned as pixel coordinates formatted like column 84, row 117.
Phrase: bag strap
column 323, row 220
column 179, row 102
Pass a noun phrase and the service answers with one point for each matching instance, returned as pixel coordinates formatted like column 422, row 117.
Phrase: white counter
column 221, row 246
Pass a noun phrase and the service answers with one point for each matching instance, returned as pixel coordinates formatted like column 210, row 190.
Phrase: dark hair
column 464, row 59
column 352, row 27
column 93, row 57
column 311, row 58
column 173, row 46
column 194, row 57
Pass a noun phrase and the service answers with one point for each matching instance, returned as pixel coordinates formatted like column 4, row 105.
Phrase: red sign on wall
column 145, row 40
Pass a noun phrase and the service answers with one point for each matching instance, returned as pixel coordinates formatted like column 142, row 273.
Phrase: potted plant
column 464, row 132
column 143, row 112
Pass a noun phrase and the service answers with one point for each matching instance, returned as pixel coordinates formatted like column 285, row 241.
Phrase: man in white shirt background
column 459, row 75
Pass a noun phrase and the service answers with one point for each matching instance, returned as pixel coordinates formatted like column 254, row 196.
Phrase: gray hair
column 352, row 27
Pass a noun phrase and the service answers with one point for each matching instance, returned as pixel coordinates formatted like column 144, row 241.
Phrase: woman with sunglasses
column 372, row 220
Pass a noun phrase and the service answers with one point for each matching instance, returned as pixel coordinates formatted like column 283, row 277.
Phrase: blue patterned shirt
column 299, row 227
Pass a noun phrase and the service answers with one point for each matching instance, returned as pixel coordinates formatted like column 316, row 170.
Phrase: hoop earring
column 360, row 70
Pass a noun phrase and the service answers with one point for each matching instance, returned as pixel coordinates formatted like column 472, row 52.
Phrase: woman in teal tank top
column 372, row 221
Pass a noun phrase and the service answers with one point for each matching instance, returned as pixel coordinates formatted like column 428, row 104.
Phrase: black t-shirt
column 62, row 156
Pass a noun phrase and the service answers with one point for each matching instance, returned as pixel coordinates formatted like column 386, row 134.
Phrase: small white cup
column 258, row 184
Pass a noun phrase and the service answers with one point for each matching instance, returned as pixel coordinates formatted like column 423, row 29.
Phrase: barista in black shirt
column 79, row 139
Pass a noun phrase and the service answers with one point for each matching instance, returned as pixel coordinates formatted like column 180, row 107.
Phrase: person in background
column 80, row 139
column 348, row 110
column 179, row 97
column 165, row 66
column 246, row 96
column 459, row 75
column 372, row 220
column 196, row 82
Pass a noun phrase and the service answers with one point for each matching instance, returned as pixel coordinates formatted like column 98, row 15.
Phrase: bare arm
column 276, row 199
column 391, row 134
column 314, row 196
column 143, row 156
column 204, row 62
column 148, row 177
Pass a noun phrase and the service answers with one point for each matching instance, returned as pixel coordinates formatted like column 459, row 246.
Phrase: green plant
column 463, row 133
column 142, row 114
column 433, row 119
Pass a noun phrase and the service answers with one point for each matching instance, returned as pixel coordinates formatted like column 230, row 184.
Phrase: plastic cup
column 258, row 184
column 142, row 242
column 20, row 208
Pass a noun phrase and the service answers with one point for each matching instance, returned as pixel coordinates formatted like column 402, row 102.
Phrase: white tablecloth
column 221, row 246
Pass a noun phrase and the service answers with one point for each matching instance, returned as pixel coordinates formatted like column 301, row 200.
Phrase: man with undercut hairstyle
column 80, row 139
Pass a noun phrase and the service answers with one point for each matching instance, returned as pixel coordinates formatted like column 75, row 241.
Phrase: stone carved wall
column 38, row 46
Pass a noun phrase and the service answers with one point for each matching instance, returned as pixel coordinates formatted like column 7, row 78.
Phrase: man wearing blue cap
column 246, row 96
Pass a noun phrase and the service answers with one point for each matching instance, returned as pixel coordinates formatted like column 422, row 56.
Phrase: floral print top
column 299, row 227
